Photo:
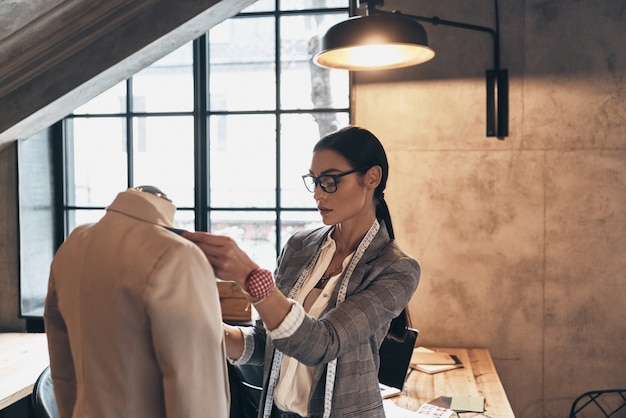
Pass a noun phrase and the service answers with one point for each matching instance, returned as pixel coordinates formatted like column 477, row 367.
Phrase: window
column 224, row 125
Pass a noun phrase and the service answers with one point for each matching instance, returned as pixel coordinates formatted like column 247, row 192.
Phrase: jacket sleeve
column 186, row 323
column 385, row 288
column 61, row 362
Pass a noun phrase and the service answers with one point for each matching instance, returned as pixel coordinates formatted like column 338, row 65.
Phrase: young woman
column 337, row 290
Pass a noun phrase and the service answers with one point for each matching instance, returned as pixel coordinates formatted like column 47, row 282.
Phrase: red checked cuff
column 259, row 283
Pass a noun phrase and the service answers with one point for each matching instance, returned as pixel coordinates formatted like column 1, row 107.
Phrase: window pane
column 36, row 226
column 254, row 232
column 242, row 161
column 163, row 156
column 166, row 85
column 299, row 133
column 111, row 101
column 305, row 85
column 96, row 169
column 261, row 6
column 242, row 70
column 292, row 222
column 184, row 218
column 80, row 217
column 312, row 4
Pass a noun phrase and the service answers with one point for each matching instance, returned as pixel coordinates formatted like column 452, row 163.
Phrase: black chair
column 395, row 357
column 396, row 350
column 600, row 403
column 44, row 404
column 246, row 386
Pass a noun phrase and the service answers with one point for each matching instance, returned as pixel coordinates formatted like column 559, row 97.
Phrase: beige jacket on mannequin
column 133, row 319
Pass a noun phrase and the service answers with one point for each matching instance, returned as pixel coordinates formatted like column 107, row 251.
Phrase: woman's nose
column 318, row 192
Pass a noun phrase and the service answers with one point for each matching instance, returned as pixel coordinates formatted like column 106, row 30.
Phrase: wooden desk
column 477, row 377
column 22, row 359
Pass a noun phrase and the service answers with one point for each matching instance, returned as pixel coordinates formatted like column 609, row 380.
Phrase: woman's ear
column 373, row 176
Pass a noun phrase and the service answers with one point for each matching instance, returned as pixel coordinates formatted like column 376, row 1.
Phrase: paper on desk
column 431, row 362
column 394, row 411
column 427, row 410
column 432, row 357
column 468, row 403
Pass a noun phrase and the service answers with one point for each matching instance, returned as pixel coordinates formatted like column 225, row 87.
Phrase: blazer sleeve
column 186, row 323
column 384, row 288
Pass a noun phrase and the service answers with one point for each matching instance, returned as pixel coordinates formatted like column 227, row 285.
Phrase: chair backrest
column 43, row 400
column 246, row 386
column 395, row 357
column 600, row 403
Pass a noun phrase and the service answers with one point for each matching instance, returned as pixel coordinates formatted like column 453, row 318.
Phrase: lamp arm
column 438, row 21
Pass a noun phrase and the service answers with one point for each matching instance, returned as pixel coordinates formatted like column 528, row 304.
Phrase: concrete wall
column 521, row 241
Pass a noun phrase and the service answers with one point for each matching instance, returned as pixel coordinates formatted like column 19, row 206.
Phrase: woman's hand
column 228, row 260
column 231, row 263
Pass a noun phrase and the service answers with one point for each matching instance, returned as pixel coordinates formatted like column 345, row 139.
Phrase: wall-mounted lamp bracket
column 497, row 79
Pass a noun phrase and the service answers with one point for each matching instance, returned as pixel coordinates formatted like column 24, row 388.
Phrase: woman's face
column 352, row 197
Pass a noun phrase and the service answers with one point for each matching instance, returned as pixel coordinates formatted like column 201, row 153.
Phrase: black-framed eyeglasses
column 328, row 182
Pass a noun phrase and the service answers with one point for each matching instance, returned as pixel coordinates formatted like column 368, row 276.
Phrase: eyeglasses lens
column 309, row 182
column 326, row 183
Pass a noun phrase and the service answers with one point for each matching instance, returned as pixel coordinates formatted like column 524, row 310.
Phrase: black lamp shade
column 375, row 42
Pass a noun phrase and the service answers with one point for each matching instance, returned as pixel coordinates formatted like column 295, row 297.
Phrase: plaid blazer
column 380, row 287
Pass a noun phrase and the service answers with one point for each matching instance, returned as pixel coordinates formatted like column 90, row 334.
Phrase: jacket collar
column 144, row 206
column 318, row 237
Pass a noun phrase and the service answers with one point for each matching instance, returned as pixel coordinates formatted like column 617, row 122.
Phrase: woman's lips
column 323, row 211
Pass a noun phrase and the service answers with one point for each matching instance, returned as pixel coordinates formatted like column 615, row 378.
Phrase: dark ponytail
column 382, row 212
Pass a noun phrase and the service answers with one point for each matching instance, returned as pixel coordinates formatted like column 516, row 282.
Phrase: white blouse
column 295, row 381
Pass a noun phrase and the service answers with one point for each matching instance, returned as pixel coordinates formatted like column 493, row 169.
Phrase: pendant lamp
column 378, row 42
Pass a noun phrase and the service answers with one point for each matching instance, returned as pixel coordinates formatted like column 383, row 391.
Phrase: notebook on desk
column 395, row 357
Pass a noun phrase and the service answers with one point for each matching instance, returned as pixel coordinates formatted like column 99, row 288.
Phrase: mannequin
column 133, row 322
